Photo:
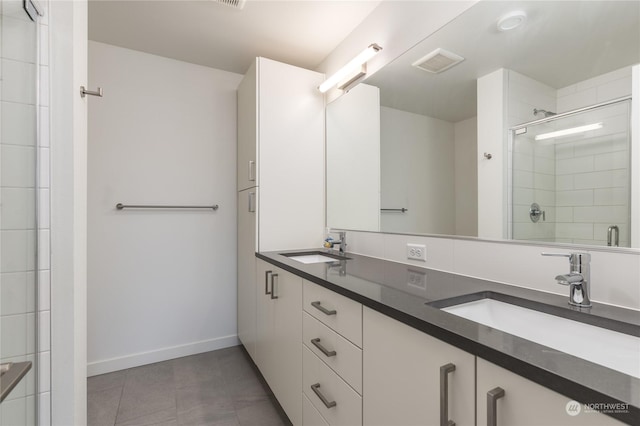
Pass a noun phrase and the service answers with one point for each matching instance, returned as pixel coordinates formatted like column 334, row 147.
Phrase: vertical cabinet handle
column 316, row 389
column 252, row 202
column 492, row 401
column 273, row 289
column 444, row 394
column 316, row 342
column 252, row 171
column 266, row 282
column 322, row 309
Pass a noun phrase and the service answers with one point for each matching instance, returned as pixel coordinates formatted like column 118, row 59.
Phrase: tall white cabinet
column 280, row 175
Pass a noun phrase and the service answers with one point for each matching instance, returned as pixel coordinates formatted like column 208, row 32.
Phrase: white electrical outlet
column 417, row 252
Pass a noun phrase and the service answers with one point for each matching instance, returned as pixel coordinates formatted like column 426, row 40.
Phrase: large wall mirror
column 512, row 121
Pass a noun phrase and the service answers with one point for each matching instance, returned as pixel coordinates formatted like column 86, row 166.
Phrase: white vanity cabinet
column 521, row 402
column 407, row 373
column 332, row 357
column 280, row 172
column 278, row 354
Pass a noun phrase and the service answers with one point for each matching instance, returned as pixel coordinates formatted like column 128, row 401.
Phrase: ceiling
column 204, row 32
column 561, row 43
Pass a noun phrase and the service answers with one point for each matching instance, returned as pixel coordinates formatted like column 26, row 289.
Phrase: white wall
column 466, row 177
column 162, row 284
column 417, row 172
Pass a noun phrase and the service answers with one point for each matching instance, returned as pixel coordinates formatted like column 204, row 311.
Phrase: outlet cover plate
column 417, row 252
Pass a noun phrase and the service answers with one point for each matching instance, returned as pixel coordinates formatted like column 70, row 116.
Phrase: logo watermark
column 573, row 408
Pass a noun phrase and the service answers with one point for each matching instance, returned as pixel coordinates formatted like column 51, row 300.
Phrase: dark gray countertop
column 404, row 291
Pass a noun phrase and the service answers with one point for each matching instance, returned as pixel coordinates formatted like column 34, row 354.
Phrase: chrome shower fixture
column 546, row 113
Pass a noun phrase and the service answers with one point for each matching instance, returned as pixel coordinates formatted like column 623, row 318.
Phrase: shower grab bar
column 570, row 113
column 121, row 206
column 395, row 210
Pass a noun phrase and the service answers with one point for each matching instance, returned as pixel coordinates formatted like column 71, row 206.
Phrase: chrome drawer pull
column 327, row 353
column 322, row 309
column 266, row 282
column 444, row 394
column 329, row 404
column 492, row 401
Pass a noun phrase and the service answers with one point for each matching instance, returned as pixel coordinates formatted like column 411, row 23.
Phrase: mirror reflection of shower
column 575, row 167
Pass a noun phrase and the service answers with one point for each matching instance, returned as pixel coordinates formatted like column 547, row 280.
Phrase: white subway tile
column 567, row 90
column 18, row 39
column 44, row 126
column 615, row 89
column 574, row 165
column 564, row 214
column 604, row 78
column 31, row 291
column 43, row 208
column 17, row 210
column 44, row 86
column 31, row 334
column 544, row 198
column 45, row 409
column 564, row 150
column 18, row 166
column 545, row 151
column 601, row 214
column 522, row 162
column 17, row 82
column 577, row 100
column 45, row 330
column 600, row 230
column 44, row 175
column 14, row 248
column 13, row 293
column 18, row 124
column 44, row 249
column 14, row 335
column 574, row 230
column 523, row 196
column 611, row 197
column 522, row 179
column 44, row 292
column 613, row 160
column 44, row 44
column 574, row 198
column 14, row 412
column 564, row 182
column 544, row 165
column 44, row 359
column 606, row 179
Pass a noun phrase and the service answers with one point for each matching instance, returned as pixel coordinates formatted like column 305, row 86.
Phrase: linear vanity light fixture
column 351, row 72
column 567, row 132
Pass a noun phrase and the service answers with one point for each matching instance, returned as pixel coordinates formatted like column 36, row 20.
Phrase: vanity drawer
column 334, row 310
column 344, row 357
column 311, row 416
column 342, row 405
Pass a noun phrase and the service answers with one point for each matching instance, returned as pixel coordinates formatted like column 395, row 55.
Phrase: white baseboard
column 95, row 368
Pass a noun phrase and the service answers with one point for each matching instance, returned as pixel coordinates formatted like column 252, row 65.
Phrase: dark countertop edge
column 11, row 378
column 522, row 368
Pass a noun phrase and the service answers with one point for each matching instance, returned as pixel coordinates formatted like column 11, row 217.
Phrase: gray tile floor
column 215, row 388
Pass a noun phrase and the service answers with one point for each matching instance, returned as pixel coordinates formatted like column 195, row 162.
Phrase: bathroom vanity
column 367, row 341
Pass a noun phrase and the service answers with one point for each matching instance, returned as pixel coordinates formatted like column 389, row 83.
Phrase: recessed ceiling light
column 511, row 20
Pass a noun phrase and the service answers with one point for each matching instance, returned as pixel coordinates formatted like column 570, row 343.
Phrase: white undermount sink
column 611, row 349
column 312, row 258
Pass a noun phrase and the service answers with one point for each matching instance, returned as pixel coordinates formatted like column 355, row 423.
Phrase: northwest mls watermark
column 574, row 408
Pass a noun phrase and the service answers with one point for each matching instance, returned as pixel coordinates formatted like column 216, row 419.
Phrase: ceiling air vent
column 438, row 61
column 236, row 4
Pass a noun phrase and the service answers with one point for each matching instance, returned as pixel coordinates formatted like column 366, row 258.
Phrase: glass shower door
column 571, row 177
column 18, row 232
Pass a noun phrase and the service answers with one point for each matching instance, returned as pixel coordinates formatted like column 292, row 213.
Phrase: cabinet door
column 264, row 352
column 247, row 130
column 401, row 376
column 526, row 403
column 247, row 269
column 287, row 339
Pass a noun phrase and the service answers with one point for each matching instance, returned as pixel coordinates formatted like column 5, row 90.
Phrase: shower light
column 355, row 69
column 567, row 132
column 511, row 20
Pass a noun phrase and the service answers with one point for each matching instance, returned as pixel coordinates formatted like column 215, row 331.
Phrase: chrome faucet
column 330, row 242
column 578, row 279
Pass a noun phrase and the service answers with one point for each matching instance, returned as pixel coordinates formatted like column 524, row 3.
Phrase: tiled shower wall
column 583, row 187
column 19, row 309
column 593, row 181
